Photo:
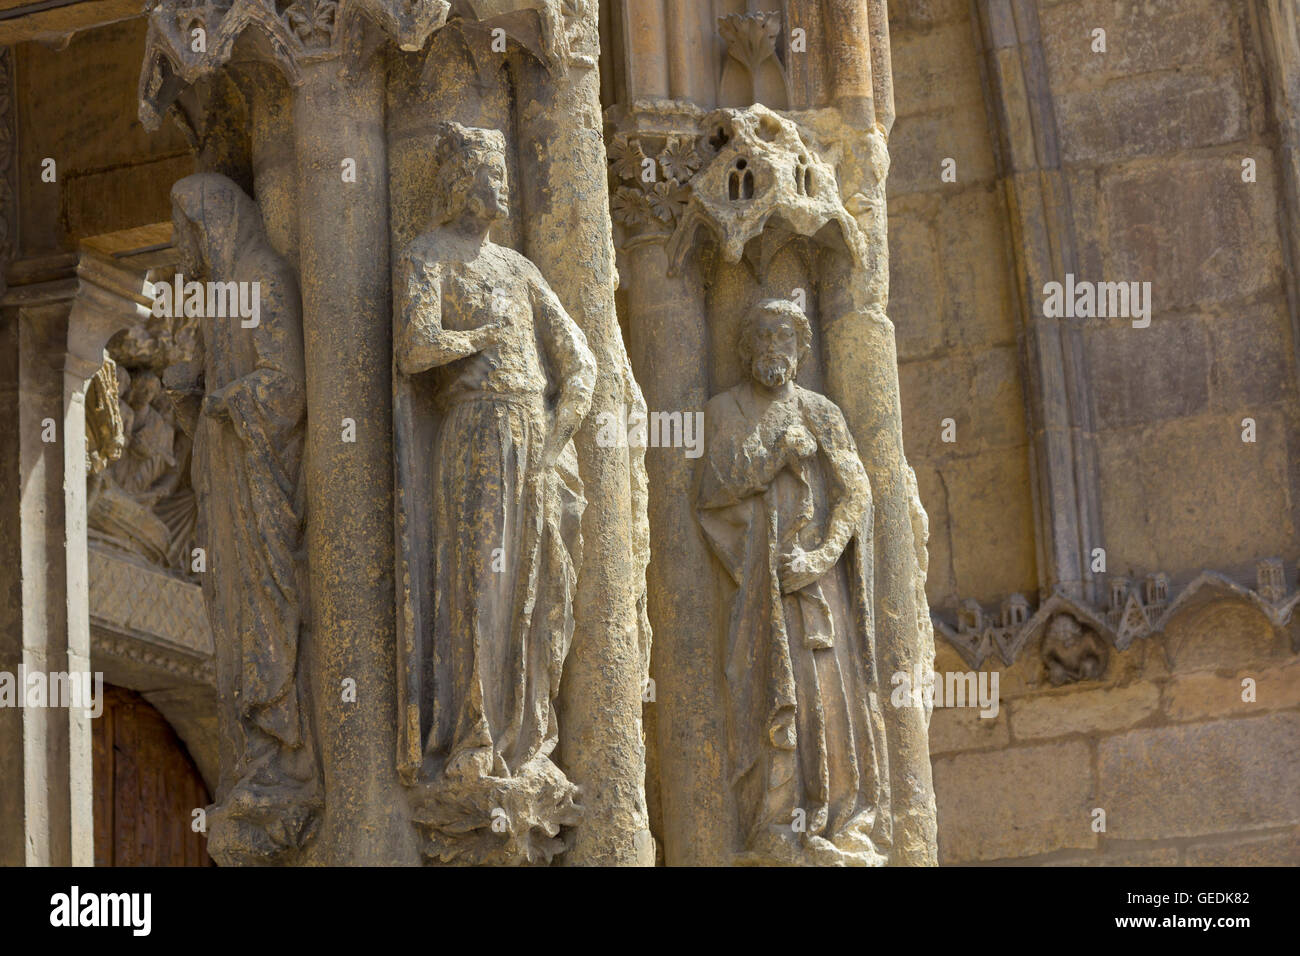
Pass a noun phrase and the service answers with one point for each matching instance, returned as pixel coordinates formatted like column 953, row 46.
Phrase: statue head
column 471, row 179
column 145, row 387
column 213, row 223
column 775, row 336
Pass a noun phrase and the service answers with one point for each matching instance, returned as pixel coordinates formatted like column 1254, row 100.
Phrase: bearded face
column 774, row 349
column 488, row 199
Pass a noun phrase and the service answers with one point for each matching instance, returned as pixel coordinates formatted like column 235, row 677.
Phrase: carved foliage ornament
column 188, row 43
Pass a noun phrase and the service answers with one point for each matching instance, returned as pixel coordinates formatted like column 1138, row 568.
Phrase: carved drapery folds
column 526, row 66
column 243, row 400
column 489, row 522
column 785, row 504
column 716, row 210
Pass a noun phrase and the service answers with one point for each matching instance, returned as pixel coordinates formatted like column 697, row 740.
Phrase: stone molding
column 149, row 617
column 1135, row 610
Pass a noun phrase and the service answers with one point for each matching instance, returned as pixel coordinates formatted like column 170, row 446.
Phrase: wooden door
column 146, row 788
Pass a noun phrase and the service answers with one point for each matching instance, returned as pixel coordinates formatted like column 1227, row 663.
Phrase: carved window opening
column 803, row 180
column 740, row 181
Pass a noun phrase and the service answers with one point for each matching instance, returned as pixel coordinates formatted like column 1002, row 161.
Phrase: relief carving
column 494, row 380
column 139, row 497
column 242, row 399
column 786, row 506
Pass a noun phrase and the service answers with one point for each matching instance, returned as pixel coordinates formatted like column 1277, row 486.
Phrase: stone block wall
column 1186, row 771
column 1152, row 136
column 952, row 302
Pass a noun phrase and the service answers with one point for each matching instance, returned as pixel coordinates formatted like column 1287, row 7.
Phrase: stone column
column 863, row 381
column 64, row 320
column 108, row 299
column 567, row 236
column 338, row 115
column 12, row 852
column 47, row 771
column 670, row 345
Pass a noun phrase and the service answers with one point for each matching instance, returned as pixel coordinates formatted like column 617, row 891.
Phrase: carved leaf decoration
column 668, row 199
column 313, row 20
column 751, row 37
column 629, row 207
column 679, row 158
column 626, row 157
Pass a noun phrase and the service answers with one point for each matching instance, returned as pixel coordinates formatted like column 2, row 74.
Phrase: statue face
column 488, row 198
column 774, row 347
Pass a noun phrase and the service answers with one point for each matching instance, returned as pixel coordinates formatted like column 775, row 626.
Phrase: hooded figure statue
column 243, row 400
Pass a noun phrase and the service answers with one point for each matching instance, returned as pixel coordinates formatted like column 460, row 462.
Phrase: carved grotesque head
column 775, row 336
column 471, row 174
column 1072, row 652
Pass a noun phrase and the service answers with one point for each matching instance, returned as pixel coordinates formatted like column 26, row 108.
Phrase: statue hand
column 215, row 407
column 563, row 425
column 795, row 443
column 489, row 334
column 800, row 568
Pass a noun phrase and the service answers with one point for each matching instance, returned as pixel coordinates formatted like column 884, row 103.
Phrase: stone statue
column 785, row 504
column 512, row 379
column 243, row 400
column 1073, row 652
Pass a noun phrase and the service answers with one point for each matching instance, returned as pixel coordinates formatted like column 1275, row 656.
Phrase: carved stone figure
column 511, row 378
column 1072, row 652
column 243, row 400
column 785, row 504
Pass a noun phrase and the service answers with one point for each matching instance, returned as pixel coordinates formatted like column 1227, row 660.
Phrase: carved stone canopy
column 188, row 42
column 759, row 169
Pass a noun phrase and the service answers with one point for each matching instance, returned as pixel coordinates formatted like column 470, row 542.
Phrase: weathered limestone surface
column 1070, row 435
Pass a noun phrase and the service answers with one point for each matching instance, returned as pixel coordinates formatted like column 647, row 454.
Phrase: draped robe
column 805, row 729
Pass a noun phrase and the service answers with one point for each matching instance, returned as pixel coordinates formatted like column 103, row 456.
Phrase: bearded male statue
column 785, row 504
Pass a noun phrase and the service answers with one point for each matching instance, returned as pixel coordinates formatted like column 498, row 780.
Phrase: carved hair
column 749, row 322
column 461, row 150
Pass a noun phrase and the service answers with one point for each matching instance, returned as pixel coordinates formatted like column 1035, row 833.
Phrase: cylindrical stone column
column 670, row 346
column 338, row 115
column 862, row 378
column 568, row 237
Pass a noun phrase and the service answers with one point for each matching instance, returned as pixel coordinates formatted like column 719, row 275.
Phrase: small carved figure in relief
column 243, row 399
column 785, row 503
column 1072, row 652
column 514, row 381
